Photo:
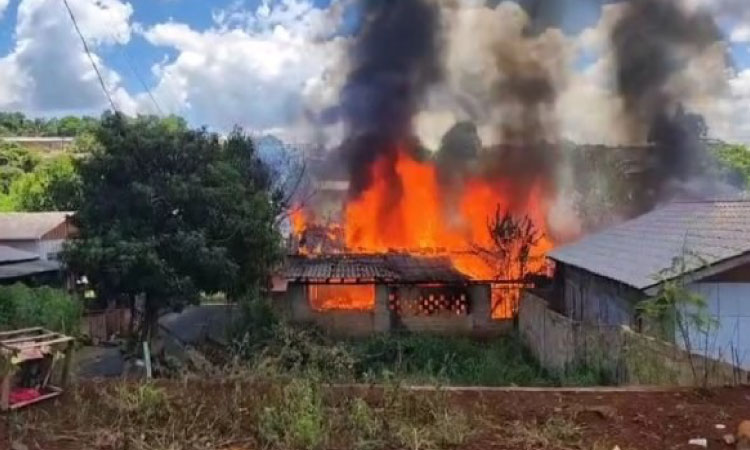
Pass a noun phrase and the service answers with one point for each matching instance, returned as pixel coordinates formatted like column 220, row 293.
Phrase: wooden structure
column 21, row 349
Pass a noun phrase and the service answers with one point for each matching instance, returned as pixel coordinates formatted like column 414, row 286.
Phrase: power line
column 131, row 65
column 91, row 58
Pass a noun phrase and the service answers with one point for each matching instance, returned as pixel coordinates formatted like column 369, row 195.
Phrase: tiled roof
column 645, row 250
column 18, row 226
column 393, row 267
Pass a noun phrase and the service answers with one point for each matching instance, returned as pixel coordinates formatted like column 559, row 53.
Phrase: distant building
column 46, row 144
column 39, row 233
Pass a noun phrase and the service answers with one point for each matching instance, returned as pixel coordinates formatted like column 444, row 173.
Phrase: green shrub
column 22, row 306
column 462, row 361
column 296, row 351
column 141, row 402
column 293, row 416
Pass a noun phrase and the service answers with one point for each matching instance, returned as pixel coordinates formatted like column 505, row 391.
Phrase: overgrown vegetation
column 295, row 414
column 269, row 346
column 22, row 306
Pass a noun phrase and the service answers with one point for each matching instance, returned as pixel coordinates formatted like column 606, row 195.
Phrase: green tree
column 169, row 213
column 14, row 162
column 735, row 159
column 17, row 124
column 53, row 186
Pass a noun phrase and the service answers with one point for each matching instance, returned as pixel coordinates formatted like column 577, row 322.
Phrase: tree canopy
column 171, row 213
column 735, row 160
column 31, row 182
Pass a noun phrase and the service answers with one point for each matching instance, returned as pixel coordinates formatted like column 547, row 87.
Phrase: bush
column 141, row 402
column 22, row 306
column 294, row 416
column 418, row 358
column 296, row 351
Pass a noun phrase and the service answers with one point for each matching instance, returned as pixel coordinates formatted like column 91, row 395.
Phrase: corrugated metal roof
column 24, row 269
column 642, row 251
column 19, row 226
column 12, row 255
column 395, row 267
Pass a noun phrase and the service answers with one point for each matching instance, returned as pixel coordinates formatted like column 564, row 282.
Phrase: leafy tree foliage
column 14, row 162
column 17, row 124
column 735, row 159
column 29, row 182
column 53, row 186
column 171, row 213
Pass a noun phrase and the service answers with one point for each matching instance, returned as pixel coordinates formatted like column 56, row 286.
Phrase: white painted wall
column 729, row 339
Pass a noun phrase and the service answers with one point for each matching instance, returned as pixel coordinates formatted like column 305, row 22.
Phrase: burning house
column 404, row 236
column 359, row 294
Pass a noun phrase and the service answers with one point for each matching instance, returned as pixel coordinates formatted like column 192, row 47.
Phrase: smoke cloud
column 653, row 41
column 396, row 56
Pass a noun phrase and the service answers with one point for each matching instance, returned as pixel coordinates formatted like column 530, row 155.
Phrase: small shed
column 601, row 278
column 360, row 294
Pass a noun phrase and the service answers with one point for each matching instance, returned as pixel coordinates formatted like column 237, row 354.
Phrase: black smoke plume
column 396, row 56
column 652, row 41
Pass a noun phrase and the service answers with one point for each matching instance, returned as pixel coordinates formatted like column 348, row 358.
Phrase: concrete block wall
column 382, row 315
column 560, row 343
column 549, row 335
column 381, row 320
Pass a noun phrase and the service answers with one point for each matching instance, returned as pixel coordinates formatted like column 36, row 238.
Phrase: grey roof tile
column 393, row 267
column 640, row 251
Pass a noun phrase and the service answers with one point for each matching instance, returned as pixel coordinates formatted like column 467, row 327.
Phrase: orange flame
column 406, row 209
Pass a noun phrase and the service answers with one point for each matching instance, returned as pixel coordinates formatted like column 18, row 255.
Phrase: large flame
column 406, row 209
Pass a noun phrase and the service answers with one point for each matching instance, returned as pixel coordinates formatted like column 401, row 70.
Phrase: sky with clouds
column 277, row 65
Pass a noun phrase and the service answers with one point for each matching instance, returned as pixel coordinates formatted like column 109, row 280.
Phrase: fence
column 102, row 325
column 626, row 357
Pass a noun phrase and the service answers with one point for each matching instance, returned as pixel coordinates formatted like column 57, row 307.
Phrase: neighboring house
column 47, row 144
column 18, row 265
column 601, row 278
column 40, row 233
column 360, row 294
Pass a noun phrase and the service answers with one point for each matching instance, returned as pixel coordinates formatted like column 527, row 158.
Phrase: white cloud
column 263, row 70
column 3, row 5
column 740, row 34
column 50, row 71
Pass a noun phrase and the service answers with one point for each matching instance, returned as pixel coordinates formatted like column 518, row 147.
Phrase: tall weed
column 22, row 306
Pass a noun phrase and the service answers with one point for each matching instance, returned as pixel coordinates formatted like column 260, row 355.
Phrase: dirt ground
column 633, row 420
column 502, row 419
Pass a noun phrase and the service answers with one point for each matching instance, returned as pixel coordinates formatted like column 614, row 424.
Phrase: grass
column 460, row 361
column 555, row 432
column 414, row 359
column 301, row 413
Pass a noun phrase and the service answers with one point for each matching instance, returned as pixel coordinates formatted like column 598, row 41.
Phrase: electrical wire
column 91, row 57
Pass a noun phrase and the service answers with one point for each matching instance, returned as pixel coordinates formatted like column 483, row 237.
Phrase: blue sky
column 270, row 65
